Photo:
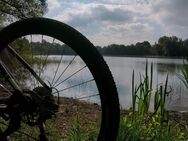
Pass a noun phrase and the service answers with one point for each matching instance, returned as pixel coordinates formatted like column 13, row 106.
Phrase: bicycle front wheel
column 64, row 61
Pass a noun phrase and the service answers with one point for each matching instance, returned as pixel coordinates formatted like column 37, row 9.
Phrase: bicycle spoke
column 32, row 59
column 89, row 96
column 74, row 86
column 31, row 49
column 65, row 70
column 58, row 66
column 40, row 59
column 46, row 58
column 71, row 75
column 41, row 64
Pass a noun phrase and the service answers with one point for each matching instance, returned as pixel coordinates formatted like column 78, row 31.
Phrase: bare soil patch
column 70, row 109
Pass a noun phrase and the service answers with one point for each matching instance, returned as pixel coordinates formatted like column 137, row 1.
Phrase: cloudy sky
column 106, row 22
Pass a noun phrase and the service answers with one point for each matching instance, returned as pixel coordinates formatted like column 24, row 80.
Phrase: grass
column 78, row 134
column 75, row 133
column 144, row 129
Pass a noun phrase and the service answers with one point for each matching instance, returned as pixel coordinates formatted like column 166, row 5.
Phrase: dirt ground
column 71, row 110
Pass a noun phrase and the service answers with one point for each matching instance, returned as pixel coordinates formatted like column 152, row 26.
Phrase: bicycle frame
column 21, row 60
column 9, row 77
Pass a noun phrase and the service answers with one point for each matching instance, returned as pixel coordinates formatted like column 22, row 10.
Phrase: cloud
column 53, row 4
column 123, row 21
column 171, row 12
column 100, row 14
column 122, row 2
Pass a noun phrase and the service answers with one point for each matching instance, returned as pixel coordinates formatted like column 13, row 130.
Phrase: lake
column 122, row 69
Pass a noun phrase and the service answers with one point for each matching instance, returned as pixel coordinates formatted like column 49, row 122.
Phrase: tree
column 11, row 10
column 21, row 45
column 19, row 9
column 185, row 47
column 171, row 46
column 143, row 48
column 157, row 49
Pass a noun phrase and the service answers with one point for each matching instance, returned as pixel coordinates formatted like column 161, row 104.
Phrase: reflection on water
column 122, row 68
column 168, row 68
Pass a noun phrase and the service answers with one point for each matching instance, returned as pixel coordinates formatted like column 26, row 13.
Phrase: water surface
column 122, row 69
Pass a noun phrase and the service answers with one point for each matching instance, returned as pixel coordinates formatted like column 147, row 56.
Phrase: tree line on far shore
column 165, row 47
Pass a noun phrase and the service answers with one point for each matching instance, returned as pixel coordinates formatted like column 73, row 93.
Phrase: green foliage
column 77, row 133
column 11, row 10
column 148, row 129
column 48, row 48
column 22, row 46
column 140, row 48
column 26, row 131
column 22, row 8
column 171, row 46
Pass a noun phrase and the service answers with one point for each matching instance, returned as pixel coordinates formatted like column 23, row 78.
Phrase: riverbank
column 89, row 114
column 136, row 56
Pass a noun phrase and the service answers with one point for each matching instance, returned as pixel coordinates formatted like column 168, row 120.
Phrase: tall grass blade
column 133, row 94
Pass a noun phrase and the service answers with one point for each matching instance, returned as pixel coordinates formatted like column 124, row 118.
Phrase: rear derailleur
column 31, row 107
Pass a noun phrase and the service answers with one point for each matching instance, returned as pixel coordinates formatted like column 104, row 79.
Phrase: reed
column 141, row 94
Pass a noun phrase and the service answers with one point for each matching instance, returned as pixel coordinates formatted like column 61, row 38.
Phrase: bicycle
column 35, row 100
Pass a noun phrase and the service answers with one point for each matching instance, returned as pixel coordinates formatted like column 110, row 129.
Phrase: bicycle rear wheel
column 69, row 65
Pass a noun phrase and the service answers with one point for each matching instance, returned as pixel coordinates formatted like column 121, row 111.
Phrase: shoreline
column 133, row 56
